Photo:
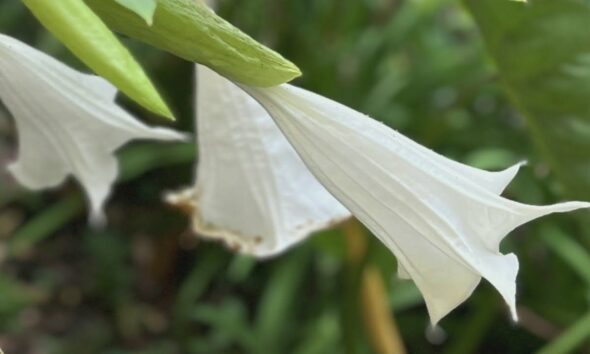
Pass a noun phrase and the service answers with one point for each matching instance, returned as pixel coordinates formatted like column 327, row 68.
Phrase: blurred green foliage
column 548, row 76
column 145, row 285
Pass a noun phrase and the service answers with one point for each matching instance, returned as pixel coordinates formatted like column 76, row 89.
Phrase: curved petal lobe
column 67, row 123
column 442, row 220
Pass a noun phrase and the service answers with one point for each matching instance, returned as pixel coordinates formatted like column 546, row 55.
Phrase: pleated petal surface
column 252, row 189
column 442, row 220
column 67, row 123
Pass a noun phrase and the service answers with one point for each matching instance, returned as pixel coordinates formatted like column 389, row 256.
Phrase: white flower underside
column 67, row 123
column 252, row 189
column 442, row 220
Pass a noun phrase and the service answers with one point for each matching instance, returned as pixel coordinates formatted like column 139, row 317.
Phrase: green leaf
column 75, row 25
column 277, row 303
column 143, row 8
column 570, row 339
column 190, row 30
column 542, row 52
column 570, row 251
column 41, row 226
column 16, row 296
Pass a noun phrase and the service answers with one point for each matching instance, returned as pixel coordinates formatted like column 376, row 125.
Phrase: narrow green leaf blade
column 569, row 251
column 190, row 30
column 570, row 339
column 143, row 8
column 542, row 51
column 82, row 31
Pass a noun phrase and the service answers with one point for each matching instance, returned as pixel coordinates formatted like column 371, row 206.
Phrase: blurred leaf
column 192, row 31
column 322, row 335
column 9, row 11
column 570, row 339
column 474, row 329
column 240, row 268
column 110, row 276
column 277, row 304
column 193, row 287
column 329, row 241
column 543, row 55
column 79, row 29
column 140, row 159
column 44, row 224
column 135, row 161
column 228, row 322
column 15, row 297
column 143, row 8
column 404, row 294
column 490, row 159
column 570, row 251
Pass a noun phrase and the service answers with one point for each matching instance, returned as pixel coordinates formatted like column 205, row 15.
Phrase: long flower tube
column 252, row 190
column 67, row 123
column 442, row 220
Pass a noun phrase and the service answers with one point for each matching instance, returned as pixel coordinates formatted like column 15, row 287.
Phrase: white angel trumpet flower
column 252, row 189
column 442, row 220
column 67, row 123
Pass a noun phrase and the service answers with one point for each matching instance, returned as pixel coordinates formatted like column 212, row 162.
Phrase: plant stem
column 377, row 317
column 379, row 321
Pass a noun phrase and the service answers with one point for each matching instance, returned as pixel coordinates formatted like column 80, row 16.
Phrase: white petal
column 252, row 190
column 67, row 122
column 442, row 220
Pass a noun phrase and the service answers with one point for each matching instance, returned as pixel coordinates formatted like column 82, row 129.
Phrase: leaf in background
column 570, row 339
column 17, row 296
column 135, row 161
column 542, row 52
column 143, row 8
column 91, row 41
column 569, row 250
column 278, row 302
column 190, row 30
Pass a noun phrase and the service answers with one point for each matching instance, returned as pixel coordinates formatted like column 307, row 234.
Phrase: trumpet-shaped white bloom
column 67, row 122
column 442, row 220
column 252, row 190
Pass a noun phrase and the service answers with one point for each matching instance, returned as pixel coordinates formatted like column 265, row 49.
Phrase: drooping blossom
column 252, row 190
column 442, row 220
column 67, row 123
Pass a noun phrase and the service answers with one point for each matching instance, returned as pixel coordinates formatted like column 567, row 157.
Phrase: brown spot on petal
column 233, row 246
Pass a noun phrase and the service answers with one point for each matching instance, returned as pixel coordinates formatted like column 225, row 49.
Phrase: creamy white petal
column 67, row 123
column 252, row 190
column 442, row 220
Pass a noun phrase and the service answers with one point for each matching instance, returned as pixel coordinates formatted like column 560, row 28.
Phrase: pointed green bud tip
column 142, row 8
column 165, row 112
column 191, row 30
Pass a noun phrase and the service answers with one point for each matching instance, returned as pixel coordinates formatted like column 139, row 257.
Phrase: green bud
column 142, row 8
column 190, row 30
